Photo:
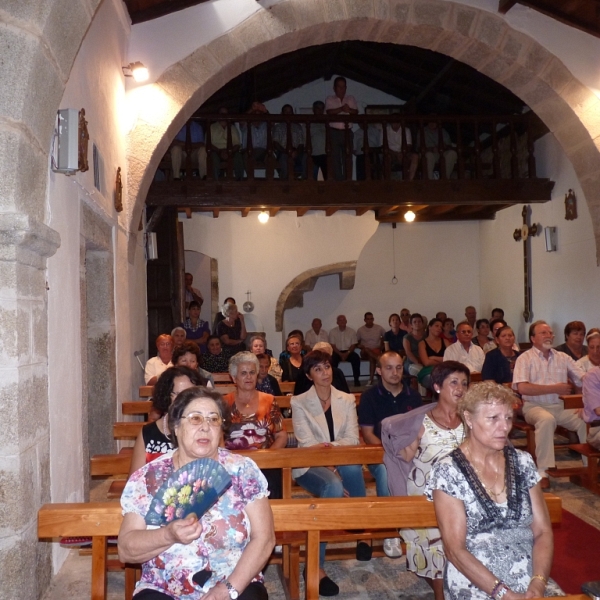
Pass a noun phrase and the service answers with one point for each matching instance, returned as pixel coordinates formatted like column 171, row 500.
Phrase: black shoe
column 356, row 383
column 327, row 587
column 363, row 551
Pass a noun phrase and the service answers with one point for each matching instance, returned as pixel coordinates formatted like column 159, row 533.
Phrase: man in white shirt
column 343, row 341
column 160, row 363
column 340, row 104
column 316, row 334
column 541, row 375
column 370, row 342
column 464, row 350
column 397, row 151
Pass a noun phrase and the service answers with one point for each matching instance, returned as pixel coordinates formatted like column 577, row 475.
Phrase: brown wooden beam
column 330, row 211
column 273, row 211
column 361, row 211
column 215, row 213
column 302, row 211
column 382, row 212
column 245, row 211
column 370, row 194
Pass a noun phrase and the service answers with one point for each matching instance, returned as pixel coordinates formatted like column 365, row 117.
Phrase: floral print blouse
column 225, row 527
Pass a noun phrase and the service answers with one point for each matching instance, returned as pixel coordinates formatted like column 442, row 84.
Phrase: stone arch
column 474, row 36
column 292, row 294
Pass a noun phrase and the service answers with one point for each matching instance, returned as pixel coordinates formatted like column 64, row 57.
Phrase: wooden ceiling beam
column 215, row 212
column 300, row 212
column 245, row 211
column 361, row 211
column 273, row 211
column 331, row 211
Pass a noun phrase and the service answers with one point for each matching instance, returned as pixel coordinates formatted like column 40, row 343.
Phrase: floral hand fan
column 193, row 489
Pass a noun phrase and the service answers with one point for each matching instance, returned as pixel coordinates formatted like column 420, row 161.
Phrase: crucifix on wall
column 524, row 233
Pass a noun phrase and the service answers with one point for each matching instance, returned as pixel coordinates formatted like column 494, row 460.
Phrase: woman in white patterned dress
column 440, row 431
column 493, row 518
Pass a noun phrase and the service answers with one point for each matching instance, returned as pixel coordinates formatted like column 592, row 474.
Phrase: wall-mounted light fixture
column 409, row 216
column 551, row 239
column 263, row 216
column 137, row 70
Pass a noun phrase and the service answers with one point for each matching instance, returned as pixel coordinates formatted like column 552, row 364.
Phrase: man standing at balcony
column 198, row 154
column 432, row 148
column 257, row 133
column 220, row 151
column 340, row 104
column 295, row 149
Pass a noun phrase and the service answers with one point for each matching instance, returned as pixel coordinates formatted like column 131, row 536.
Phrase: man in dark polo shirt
column 391, row 396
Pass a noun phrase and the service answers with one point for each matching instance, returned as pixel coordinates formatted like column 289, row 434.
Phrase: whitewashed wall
column 96, row 84
column 566, row 283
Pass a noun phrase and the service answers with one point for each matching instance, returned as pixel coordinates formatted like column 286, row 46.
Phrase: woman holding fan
column 219, row 555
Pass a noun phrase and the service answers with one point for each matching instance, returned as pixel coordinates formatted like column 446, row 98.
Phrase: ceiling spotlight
column 409, row 216
column 137, row 70
column 263, row 216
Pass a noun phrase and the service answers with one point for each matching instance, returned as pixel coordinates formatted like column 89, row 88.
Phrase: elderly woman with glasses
column 219, row 555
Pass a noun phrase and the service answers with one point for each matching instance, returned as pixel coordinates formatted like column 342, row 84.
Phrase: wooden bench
column 572, row 400
column 308, row 517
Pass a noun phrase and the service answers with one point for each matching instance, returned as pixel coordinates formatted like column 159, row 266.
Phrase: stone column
column 25, row 244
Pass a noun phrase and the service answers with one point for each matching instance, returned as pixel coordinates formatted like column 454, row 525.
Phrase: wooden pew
column 572, row 400
column 146, row 391
column 137, row 407
column 311, row 517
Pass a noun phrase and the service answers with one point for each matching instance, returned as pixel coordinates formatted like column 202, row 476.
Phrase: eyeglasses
column 197, row 419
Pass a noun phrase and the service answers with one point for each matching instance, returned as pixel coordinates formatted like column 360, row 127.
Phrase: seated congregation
column 444, row 437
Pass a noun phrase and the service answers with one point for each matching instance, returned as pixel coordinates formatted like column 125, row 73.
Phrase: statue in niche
column 570, row 206
column 118, row 192
column 84, row 138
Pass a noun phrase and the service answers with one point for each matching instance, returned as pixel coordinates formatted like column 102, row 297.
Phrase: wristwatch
column 233, row 593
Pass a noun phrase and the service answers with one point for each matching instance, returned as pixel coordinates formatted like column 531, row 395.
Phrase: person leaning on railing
column 220, row 149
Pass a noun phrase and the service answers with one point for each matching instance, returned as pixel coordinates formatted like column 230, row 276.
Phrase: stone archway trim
column 292, row 295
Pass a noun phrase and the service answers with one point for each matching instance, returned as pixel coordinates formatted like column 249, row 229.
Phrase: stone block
column 262, row 53
column 334, row 10
column 32, row 11
column 9, row 401
column 400, row 10
column 579, row 97
column 309, row 13
column 252, row 32
column 476, row 54
column 17, row 564
column 490, row 29
column 179, row 83
column 590, row 119
column 97, row 232
column 514, row 45
column 571, row 133
column 462, row 19
column 226, row 48
column 317, row 35
column 64, row 30
column 360, row 29
column 280, row 19
column 536, row 58
column 23, row 175
column 423, row 36
column 201, row 64
column 451, row 44
column 498, row 68
column 556, row 75
column 357, row 9
column 9, row 333
column 536, row 92
column 31, row 282
column 39, row 332
column 434, row 14
column 585, row 159
column 381, row 9
column 23, row 331
column 518, row 79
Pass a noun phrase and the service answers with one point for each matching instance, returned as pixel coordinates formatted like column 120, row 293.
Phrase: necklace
column 489, row 490
column 446, row 427
column 324, row 402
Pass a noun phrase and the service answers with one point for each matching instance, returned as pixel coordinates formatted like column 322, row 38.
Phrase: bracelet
column 501, row 592
column 540, row 577
column 497, row 584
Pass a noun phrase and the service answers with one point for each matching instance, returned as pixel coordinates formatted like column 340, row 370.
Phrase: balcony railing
column 490, row 147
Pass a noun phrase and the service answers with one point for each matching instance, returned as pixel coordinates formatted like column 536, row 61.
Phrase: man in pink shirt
column 340, row 104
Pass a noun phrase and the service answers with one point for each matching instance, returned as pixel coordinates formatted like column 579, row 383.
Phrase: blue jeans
column 324, row 483
column 379, row 472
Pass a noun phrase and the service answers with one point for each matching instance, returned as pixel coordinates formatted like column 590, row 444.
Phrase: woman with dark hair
column 395, row 335
column 414, row 442
column 153, row 440
column 574, row 338
column 448, row 331
column 215, row 360
column 410, row 343
column 483, row 333
column 431, row 351
column 188, row 355
column 195, row 328
column 326, row 417
column 499, row 363
column 266, row 383
column 291, row 366
column 220, row 554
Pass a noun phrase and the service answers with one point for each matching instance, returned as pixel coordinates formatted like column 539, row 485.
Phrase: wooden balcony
column 494, row 168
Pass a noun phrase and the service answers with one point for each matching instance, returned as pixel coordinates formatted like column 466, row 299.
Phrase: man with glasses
column 464, row 350
column 391, row 396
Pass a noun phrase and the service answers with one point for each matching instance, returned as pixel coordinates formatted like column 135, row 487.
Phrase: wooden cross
column 524, row 233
